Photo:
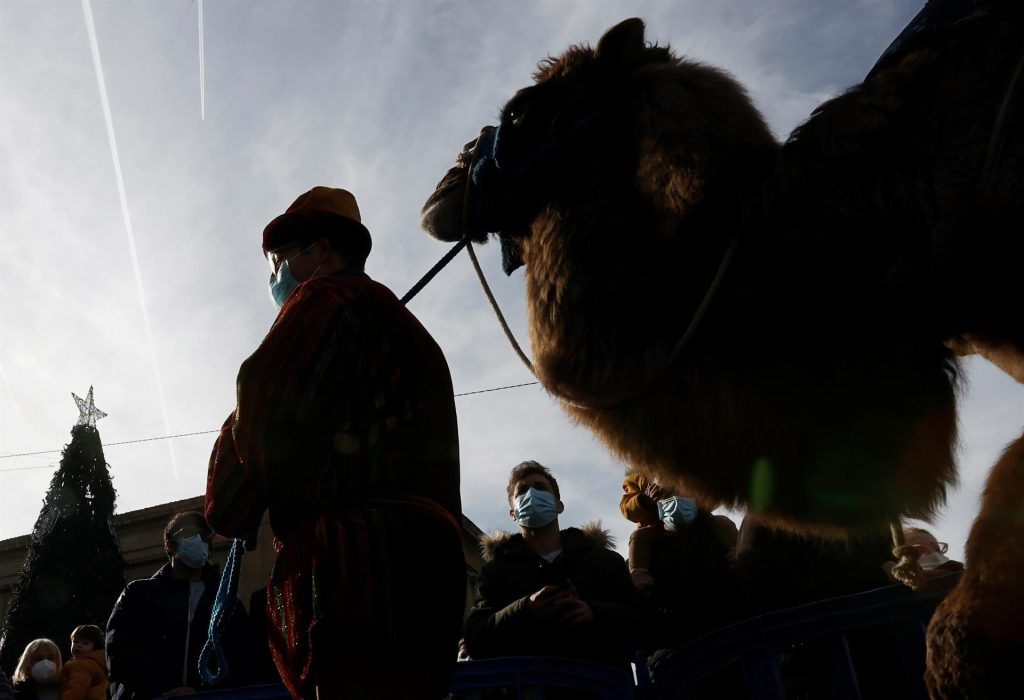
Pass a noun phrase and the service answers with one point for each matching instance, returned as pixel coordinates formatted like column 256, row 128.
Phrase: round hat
column 323, row 212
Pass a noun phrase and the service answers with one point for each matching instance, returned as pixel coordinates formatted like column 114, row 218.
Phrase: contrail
column 202, row 65
column 94, row 45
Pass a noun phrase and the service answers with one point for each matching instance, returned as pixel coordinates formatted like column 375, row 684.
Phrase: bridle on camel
column 600, row 403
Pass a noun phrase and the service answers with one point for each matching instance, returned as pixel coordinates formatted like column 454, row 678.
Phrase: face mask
column 44, row 671
column 535, row 508
column 193, row 552
column 282, row 285
column 932, row 561
column 676, row 512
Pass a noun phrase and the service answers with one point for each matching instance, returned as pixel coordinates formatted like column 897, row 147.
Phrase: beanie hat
column 323, row 212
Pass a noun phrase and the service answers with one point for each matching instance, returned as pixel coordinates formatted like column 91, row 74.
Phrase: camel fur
column 819, row 391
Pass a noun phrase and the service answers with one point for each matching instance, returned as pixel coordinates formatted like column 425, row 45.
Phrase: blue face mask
column 193, row 552
column 676, row 512
column 283, row 283
column 535, row 509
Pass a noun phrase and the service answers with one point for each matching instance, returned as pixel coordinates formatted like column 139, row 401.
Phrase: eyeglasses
column 276, row 263
column 942, row 547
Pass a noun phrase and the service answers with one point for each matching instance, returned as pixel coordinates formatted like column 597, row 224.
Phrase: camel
column 775, row 326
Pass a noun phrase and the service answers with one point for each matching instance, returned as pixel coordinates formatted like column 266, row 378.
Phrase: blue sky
column 376, row 97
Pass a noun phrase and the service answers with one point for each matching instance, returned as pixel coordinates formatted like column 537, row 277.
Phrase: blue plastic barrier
column 530, row 677
column 886, row 626
column 853, row 647
column 272, row 691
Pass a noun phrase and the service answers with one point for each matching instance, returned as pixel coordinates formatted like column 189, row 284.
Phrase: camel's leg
column 976, row 637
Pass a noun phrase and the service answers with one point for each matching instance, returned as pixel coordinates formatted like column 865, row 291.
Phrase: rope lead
column 223, row 609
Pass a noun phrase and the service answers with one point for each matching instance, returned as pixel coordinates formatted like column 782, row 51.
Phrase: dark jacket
column 24, row 690
column 6, row 691
column 146, row 637
column 694, row 577
column 500, row 624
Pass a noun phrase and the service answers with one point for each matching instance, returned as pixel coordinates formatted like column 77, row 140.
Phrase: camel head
column 625, row 118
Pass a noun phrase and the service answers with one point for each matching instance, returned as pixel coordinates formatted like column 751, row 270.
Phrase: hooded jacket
column 500, row 623
column 146, row 637
column 85, row 677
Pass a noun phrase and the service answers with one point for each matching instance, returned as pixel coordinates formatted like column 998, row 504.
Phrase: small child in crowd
column 639, row 505
column 84, row 676
column 654, row 509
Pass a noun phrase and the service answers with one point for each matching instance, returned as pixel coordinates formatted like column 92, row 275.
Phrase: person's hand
column 575, row 612
column 641, row 578
column 652, row 491
column 545, row 604
column 174, row 692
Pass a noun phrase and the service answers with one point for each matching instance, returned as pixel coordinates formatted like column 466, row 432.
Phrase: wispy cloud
column 109, row 121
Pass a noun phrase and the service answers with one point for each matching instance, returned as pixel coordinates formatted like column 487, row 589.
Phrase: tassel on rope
column 907, row 571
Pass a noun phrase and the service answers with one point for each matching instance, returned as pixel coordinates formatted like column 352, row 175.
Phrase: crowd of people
column 543, row 591
column 565, row 592
column 345, row 432
column 156, row 630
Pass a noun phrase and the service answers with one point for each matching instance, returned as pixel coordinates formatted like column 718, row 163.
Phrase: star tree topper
column 88, row 414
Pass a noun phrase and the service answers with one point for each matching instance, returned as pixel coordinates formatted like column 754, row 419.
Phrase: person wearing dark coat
column 159, row 624
column 550, row 592
column 345, row 433
column 694, row 578
column 6, row 691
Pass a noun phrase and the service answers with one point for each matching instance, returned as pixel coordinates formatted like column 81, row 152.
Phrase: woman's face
column 44, row 654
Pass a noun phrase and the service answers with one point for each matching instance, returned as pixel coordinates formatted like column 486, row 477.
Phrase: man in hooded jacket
column 551, row 592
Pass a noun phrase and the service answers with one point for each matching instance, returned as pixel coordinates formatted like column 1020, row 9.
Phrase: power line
column 23, row 469
column 209, row 432
column 497, row 388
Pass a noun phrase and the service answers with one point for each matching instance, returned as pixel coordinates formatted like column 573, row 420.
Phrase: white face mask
column 44, row 671
column 932, row 561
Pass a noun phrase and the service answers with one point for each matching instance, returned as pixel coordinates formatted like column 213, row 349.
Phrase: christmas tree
column 73, row 571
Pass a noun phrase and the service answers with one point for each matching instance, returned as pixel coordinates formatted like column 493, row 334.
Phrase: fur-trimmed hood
column 590, row 534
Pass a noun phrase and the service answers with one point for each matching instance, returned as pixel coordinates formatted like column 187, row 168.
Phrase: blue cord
column 223, row 607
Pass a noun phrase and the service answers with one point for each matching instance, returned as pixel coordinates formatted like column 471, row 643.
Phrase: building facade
column 142, row 548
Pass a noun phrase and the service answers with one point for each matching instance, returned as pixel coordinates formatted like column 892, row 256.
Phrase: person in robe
column 345, row 430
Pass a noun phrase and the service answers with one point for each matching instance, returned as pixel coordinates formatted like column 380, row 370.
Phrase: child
column 639, row 505
column 84, row 677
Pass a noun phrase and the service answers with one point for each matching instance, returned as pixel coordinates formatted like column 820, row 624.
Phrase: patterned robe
column 345, row 429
